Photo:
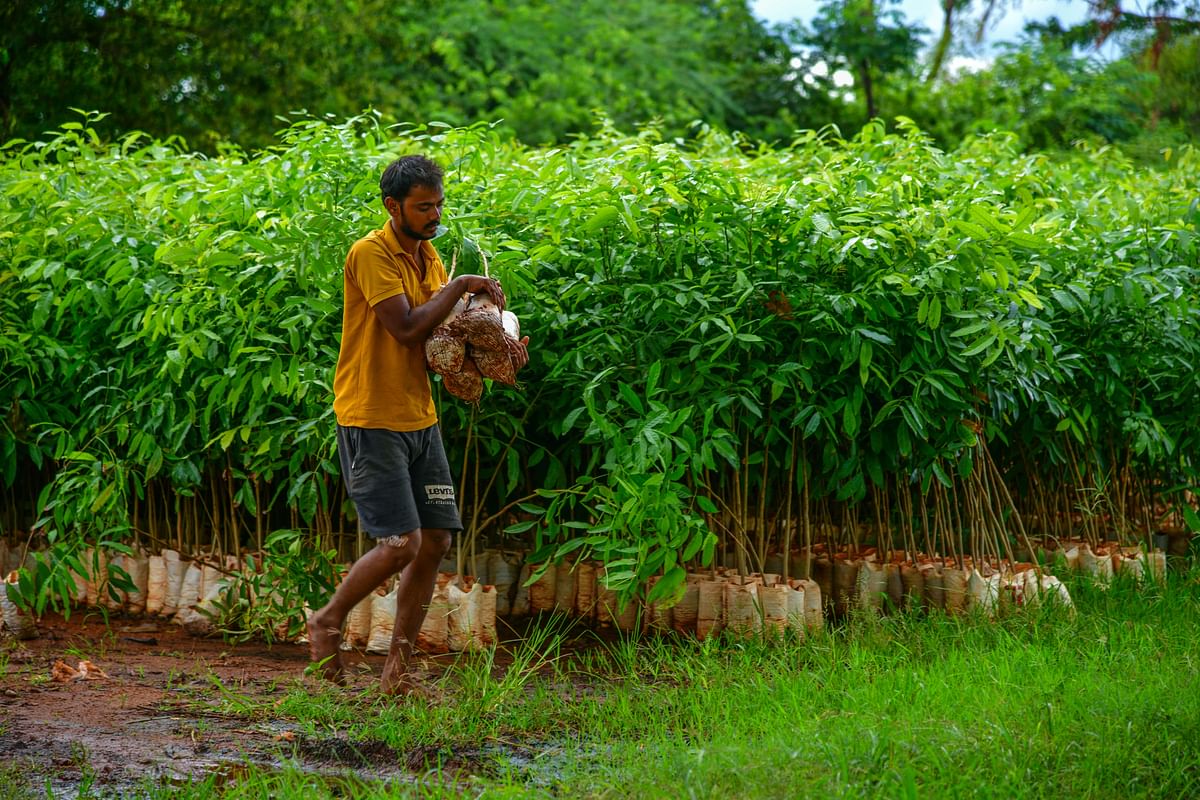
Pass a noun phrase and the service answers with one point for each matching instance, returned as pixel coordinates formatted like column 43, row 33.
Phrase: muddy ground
column 148, row 715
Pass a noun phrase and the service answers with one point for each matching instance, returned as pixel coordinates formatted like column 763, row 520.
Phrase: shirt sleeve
column 376, row 272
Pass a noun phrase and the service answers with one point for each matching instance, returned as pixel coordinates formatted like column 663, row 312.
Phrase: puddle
column 543, row 764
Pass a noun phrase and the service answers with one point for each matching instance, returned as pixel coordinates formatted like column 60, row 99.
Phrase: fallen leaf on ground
column 62, row 672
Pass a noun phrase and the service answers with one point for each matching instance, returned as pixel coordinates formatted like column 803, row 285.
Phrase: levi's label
column 439, row 493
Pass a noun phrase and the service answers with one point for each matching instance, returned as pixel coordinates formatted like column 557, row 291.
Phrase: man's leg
column 414, row 590
column 376, row 566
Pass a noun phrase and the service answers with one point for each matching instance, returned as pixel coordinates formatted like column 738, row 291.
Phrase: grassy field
column 1042, row 703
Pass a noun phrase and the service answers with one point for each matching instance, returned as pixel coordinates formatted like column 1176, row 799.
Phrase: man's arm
column 409, row 325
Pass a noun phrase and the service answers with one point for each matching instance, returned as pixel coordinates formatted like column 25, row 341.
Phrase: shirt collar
column 389, row 236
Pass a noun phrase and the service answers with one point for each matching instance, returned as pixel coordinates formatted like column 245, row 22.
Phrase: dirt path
column 149, row 714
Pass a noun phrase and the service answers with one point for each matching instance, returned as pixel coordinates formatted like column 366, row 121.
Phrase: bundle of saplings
column 476, row 340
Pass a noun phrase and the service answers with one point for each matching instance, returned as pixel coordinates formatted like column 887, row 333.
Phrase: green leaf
column 941, row 475
column 631, row 398
column 980, row 344
column 814, row 422
column 1029, row 297
column 103, row 497
column 1027, row 240
column 882, row 338
column 864, row 362
column 972, row 329
column 669, row 586
column 1191, row 518
column 971, row 229
column 602, row 218
column 570, row 419
column 982, row 216
column 935, row 313
column 1065, row 299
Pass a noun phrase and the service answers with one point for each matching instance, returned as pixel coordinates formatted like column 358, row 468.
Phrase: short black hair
column 406, row 172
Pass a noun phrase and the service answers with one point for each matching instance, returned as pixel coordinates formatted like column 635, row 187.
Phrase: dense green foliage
column 213, row 72
column 723, row 342
column 870, row 42
column 1051, row 97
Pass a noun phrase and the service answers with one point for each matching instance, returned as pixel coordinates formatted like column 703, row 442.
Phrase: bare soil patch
column 150, row 714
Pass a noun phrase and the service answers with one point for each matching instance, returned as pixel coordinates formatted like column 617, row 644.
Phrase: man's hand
column 477, row 283
column 518, row 351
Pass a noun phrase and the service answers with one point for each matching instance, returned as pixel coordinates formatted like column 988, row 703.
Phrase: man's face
column 419, row 214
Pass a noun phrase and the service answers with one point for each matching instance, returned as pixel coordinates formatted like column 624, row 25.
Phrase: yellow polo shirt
column 380, row 383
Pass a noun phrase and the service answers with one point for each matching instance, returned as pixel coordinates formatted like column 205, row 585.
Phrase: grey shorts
column 399, row 480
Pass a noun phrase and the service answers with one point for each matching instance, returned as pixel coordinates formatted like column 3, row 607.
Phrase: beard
column 420, row 234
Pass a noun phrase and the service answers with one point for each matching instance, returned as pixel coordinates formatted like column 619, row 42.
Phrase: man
column 389, row 445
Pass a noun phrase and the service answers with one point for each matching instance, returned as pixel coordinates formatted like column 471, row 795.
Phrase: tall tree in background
column 1161, row 39
column 207, row 71
column 213, row 71
column 1163, row 19
column 1178, row 68
column 955, row 12
column 867, row 40
column 942, row 47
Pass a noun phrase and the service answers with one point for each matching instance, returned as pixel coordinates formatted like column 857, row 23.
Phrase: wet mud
column 144, row 710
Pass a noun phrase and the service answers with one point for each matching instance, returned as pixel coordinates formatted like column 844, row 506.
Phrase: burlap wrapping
column 895, row 586
column 776, row 601
column 358, row 623
column 156, row 584
column 822, row 573
column 683, row 614
column 176, row 569
column 585, row 590
column 138, row 566
column 520, row 597
column 710, row 612
column 913, row 582
column 954, row 585
column 743, row 610
column 845, row 583
column 473, row 344
column 935, row 586
column 504, row 569
column 814, row 617
column 433, row 637
column 542, row 592
column 566, row 586
column 871, row 586
column 795, row 607
column 383, row 621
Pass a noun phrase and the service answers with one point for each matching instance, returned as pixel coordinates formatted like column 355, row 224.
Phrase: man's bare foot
column 400, row 682
column 324, row 648
column 406, row 685
column 396, row 679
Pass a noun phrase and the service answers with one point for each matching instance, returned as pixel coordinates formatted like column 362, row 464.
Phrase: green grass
column 1105, row 703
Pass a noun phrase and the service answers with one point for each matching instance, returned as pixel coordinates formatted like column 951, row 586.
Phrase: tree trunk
column 943, row 45
column 864, row 67
column 868, row 87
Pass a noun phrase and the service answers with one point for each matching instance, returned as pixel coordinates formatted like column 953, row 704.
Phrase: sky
column 929, row 13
